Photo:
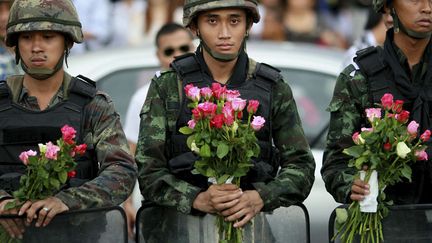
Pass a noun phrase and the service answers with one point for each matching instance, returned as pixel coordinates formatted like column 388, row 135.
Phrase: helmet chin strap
column 43, row 73
column 398, row 26
column 220, row 56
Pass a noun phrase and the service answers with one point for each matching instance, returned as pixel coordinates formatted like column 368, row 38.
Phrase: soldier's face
column 415, row 14
column 172, row 45
column 41, row 49
column 223, row 30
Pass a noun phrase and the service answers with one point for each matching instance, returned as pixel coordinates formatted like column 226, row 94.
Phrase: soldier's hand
column 130, row 216
column 44, row 211
column 249, row 205
column 358, row 190
column 14, row 227
column 218, row 198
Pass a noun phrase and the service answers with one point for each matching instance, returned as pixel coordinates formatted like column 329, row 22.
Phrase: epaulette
column 267, row 72
column 369, row 60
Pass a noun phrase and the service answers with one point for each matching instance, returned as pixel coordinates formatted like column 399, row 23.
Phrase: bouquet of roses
column 383, row 154
column 224, row 143
column 47, row 172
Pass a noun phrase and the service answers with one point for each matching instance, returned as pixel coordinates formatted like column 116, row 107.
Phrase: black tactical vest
column 22, row 129
column 258, row 87
column 380, row 79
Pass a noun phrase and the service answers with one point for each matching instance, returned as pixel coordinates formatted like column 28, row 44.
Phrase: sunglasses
column 169, row 51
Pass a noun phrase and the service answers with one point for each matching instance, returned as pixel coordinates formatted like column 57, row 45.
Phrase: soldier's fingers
column 49, row 216
column 13, row 230
column 357, row 197
column 225, row 198
column 244, row 220
column 359, row 190
column 24, row 207
column 223, row 206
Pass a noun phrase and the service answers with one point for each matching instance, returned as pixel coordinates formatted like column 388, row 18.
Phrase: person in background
column 7, row 58
column 39, row 103
column 96, row 24
column 402, row 67
column 128, row 13
column 171, row 40
column 375, row 31
column 222, row 27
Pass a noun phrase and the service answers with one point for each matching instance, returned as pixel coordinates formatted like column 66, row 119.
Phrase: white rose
column 402, row 150
column 194, row 148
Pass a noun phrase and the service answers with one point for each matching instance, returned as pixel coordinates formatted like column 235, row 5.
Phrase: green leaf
column 359, row 162
column 406, row 172
column 205, row 151
column 222, row 150
column 186, row 130
column 341, row 215
column 222, row 179
column 354, row 151
column 62, row 177
column 54, row 182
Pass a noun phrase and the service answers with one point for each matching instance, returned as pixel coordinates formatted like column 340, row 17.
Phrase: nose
column 427, row 7
column 224, row 32
column 36, row 43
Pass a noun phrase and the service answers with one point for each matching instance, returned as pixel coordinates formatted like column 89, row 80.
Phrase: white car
column 310, row 70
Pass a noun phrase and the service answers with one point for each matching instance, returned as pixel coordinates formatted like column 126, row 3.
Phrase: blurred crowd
column 119, row 23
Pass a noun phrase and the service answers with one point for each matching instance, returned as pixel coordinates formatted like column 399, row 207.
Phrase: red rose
column 397, row 106
column 403, row 116
column 387, row 101
column 71, row 174
column 68, row 134
column 217, row 121
column 80, row 149
column 425, row 136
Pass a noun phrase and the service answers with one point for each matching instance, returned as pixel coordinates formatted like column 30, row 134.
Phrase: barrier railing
column 161, row 224
column 104, row 225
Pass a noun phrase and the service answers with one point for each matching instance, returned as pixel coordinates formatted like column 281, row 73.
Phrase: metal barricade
column 101, row 225
column 404, row 224
column 156, row 224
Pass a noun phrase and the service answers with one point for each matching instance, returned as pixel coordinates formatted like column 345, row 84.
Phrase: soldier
column 37, row 104
column 222, row 27
column 401, row 67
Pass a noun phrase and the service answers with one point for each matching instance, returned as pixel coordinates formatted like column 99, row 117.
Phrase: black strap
column 5, row 95
column 81, row 90
column 188, row 68
column 265, row 72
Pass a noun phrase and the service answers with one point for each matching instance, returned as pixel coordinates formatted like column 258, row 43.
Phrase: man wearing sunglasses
column 171, row 40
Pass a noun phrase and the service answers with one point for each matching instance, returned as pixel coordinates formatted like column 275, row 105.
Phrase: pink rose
column 196, row 112
column 357, row 138
column 364, row 129
column 194, row 94
column 219, row 91
column 191, row 124
column 412, row 128
column 24, row 156
column 187, row 88
column 232, row 94
column 207, row 93
column 228, row 114
column 425, row 136
column 257, row 122
column 421, row 155
column 68, row 134
column 208, row 109
column 387, row 101
column 252, row 106
column 238, row 104
column 51, row 151
column 373, row 113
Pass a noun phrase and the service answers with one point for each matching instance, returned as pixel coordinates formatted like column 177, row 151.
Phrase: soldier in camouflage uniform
column 402, row 67
column 222, row 27
column 7, row 60
column 43, row 100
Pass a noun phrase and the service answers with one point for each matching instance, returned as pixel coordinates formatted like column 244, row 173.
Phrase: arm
column 296, row 176
column 156, row 182
column 117, row 171
column 346, row 118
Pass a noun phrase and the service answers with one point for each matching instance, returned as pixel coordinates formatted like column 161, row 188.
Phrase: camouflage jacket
column 351, row 97
column 102, row 128
column 159, row 115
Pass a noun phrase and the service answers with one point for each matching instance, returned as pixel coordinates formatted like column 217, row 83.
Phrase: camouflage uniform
column 351, row 97
column 159, row 115
column 101, row 124
column 117, row 170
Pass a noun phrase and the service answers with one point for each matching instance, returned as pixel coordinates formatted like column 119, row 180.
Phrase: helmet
column 33, row 15
column 193, row 7
column 378, row 5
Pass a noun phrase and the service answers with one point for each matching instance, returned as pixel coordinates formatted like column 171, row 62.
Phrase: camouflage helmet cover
column 378, row 5
column 34, row 15
column 193, row 7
